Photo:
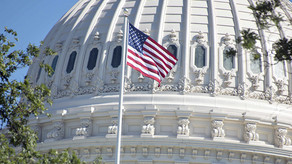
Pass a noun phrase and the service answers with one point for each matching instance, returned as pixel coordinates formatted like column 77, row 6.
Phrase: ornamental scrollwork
column 114, row 76
column 199, row 75
column 250, row 132
column 280, row 86
column 67, row 80
column 254, row 79
column 57, row 132
column 184, row 85
column 227, row 77
column 213, row 88
column 113, row 129
column 217, row 128
column 85, row 128
column 183, row 127
column 281, row 138
column 148, row 127
column 173, row 36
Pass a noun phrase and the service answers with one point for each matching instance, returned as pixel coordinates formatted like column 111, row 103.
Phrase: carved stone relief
column 280, row 137
column 217, row 128
column 57, row 132
column 250, row 132
column 113, row 129
column 183, row 127
column 148, row 127
column 85, row 129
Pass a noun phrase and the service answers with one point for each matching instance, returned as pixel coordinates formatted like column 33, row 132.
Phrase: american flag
column 147, row 56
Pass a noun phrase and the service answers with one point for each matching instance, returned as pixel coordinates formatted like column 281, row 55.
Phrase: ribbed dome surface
column 198, row 26
column 210, row 105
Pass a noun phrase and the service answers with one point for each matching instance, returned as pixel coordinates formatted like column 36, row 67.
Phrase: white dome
column 209, row 109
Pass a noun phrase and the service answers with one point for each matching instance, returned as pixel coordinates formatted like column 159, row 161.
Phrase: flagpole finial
column 126, row 12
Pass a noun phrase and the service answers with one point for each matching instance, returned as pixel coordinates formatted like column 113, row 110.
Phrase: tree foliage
column 266, row 15
column 18, row 101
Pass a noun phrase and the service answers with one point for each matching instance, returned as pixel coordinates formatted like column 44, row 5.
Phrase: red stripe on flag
column 162, row 57
column 141, row 64
column 165, row 50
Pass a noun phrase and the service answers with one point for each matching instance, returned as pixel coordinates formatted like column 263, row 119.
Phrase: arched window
column 228, row 62
column 279, row 70
column 54, row 64
column 173, row 50
column 92, row 59
column 200, row 57
column 116, row 60
column 39, row 73
column 255, row 64
column 71, row 62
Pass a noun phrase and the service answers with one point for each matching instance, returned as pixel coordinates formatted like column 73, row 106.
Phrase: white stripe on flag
column 162, row 51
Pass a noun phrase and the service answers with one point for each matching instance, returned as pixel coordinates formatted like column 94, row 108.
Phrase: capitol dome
column 211, row 108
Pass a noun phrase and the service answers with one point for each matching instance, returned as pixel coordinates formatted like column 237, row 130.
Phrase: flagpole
column 121, row 97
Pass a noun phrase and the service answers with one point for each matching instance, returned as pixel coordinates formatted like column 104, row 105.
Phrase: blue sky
column 32, row 19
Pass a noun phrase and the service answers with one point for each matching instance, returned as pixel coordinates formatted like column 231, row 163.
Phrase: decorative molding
column 113, row 129
column 199, row 75
column 242, row 157
column 183, row 127
column 109, row 151
column 194, row 153
column 119, row 36
column 281, row 138
column 145, row 151
column 250, row 132
column 219, row 155
column 217, row 129
column 231, row 156
column 148, row 127
column 227, row 77
column 254, row 79
column 114, row 75
column 157, row 151
column 133, row 151
column 57, row 132
column 170, row 151
column 96, row 36
column 181, row 152
column 85, row 129
column 173, row 36
column 207, row 154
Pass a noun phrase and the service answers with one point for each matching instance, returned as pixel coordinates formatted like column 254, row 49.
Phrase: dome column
column 213, row 49
column 241, row 58
column 186, row 47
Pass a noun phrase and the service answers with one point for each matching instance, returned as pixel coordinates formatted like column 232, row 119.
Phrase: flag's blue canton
column 136, row 38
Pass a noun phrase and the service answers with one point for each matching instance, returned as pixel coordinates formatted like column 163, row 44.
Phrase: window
column 279, row 70
column 54, row 64
column 173, row 50
column 200, row 57
column 71, row 62
column 228, row 61
column 116, row 60
column 39, row 73
column 255, row 64
column 92, row 59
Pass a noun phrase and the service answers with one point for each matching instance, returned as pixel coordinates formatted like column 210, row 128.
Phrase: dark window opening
column 54, row 64
column 71, row 62
column 173, row 50
column 92, row 59
column 116, row 60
